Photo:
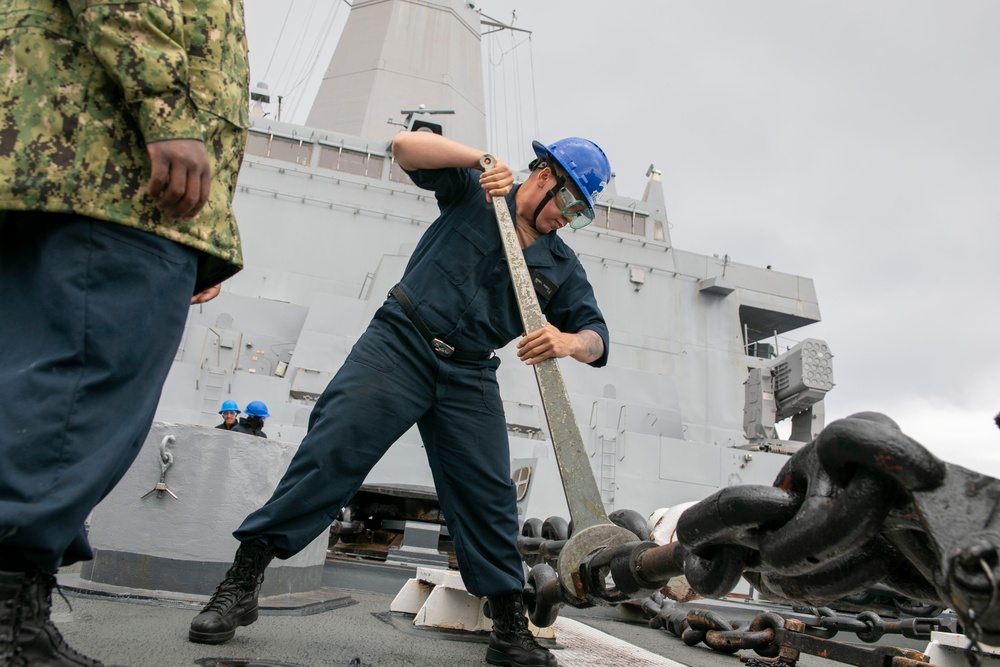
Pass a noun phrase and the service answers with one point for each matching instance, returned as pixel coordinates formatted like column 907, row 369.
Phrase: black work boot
column 234, row 603
column 12, row 585
column 39, row 640
column 511, row 643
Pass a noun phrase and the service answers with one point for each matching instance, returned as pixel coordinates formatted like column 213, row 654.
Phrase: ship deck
column 145, row 629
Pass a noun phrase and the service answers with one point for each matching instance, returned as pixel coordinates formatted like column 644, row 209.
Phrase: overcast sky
column 853, row 142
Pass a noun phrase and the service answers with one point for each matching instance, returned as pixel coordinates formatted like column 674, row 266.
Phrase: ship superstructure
column 697, row 375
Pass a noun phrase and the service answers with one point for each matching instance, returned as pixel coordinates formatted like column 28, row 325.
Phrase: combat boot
column 11, row 613
column 39, row 641
column 511, row 643
column 234, row 602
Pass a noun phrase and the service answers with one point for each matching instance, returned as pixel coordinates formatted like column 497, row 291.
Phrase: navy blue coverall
column 459, row 285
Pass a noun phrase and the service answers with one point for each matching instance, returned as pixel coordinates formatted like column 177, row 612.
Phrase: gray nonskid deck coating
column 143, row 633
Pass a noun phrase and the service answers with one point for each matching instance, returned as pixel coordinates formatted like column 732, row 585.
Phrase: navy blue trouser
column 91, row 314
column 391, row 380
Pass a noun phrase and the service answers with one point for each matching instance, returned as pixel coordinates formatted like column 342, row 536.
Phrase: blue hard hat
column 257, row 409
column 583, row 160
column 229, row 405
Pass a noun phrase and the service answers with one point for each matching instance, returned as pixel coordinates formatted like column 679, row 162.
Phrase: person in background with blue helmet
column 229, row 411
column 427, row 359
column 254, row 421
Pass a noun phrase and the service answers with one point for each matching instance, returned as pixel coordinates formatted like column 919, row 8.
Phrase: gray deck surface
column 149, row 633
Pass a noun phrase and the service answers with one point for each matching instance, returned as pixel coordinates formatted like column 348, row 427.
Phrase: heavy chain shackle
column 721, row 533
column 608, row 576
column 710, row 628
column 851, row 476
column 859, row 505
column 962, row 556
column 814, row 535
column 544, row 596
column 717, row 633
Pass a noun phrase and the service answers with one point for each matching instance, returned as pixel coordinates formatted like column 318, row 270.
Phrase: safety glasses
column 576, row 210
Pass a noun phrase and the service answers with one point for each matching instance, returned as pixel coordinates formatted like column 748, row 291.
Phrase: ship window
column 278, row 148
column 521, row 479
column 257, row 144
column 397, row 174
column 352, row 162
column 627, row 221
column 601, row 217
column 658, row 234
column 639, row 225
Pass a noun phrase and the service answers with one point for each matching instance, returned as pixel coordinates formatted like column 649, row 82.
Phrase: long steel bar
column 585, row 505
column 591, row 528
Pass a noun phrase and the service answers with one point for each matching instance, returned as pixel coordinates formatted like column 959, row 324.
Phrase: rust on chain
column 781, row 641
column 664, row 561
column 876, row 656
column 887, row 462
column 703, row 619
column 788, row 655
column 578, row 588
column 900, row 661
column 794, row 625
column 730, row 641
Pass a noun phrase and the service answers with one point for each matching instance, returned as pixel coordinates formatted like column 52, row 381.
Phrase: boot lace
column 233, row 587
column 15, row 649
column 517, row 631
column 223, row 599
column 59, row 642
column 522, row 635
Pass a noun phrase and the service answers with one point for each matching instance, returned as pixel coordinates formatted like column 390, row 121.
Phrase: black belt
column 441, row 348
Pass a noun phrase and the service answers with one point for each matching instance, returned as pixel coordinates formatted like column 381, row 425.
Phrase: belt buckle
column 442, row 348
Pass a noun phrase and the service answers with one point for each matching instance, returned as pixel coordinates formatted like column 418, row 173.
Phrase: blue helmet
column 583, row 160
column 230, row 405
column 257, row 409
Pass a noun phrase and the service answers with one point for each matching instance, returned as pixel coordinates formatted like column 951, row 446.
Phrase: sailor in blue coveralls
column 427, row 359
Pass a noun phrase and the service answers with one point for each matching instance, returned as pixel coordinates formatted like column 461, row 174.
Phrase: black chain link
column 861, row 504
column 770, row 636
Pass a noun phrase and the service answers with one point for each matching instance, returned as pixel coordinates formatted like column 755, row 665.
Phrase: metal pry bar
column 591, row 527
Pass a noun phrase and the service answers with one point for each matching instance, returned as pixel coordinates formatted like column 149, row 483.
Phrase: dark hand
column 181, row 176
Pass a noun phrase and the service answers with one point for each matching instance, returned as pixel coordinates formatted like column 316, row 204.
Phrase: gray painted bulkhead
column 324, row 246
column 153, row 541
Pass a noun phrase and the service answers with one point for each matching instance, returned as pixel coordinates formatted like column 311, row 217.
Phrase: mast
column 409, row 52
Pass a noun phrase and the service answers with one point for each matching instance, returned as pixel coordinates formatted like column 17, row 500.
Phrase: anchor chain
column 861, row 504
column 821, row 622
column 780, row 640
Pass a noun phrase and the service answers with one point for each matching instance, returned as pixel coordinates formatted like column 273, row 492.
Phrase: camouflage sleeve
column 142, row 46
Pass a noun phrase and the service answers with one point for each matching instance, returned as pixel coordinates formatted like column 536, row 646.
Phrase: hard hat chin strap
column 560, row 181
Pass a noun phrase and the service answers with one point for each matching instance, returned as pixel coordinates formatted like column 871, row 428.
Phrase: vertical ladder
column 215, row 381
column 608, row 450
